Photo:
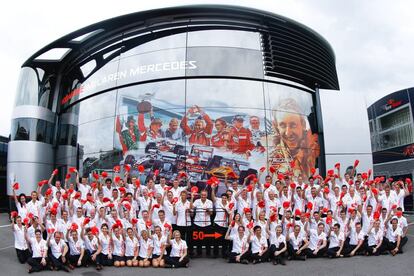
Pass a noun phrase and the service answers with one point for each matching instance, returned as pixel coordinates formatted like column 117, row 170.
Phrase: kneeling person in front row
column 297, row 243
column 58, row 251
column 278, row 246
column 317, row 242
column 259, row 248
column 178, row 256
column 336, row 242
column 356, row 241
column 240, row 250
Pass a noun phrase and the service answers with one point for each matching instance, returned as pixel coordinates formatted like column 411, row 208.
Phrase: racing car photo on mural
column 170, row 127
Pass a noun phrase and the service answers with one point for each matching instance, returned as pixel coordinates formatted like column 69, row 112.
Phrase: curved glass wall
column 203, row 108
column 31, row 129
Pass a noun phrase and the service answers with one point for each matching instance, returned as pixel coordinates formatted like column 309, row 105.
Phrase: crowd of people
column 118, row 221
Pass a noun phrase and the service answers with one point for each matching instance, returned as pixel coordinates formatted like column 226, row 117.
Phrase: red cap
column 16, row 186
column 117, row 169
column 127, row 167
column 249, row 188
column 247, row 210
column 286, row 204
column 261, row 204
column 13, row 214
column 141, row 168
column 104, row 174
column 72, row 169
column 313, row 171
column 175, row 200
column 117, row 179
column 86, row 221
column 55, row 172
column 137, row 182
column 356, row 163
column 338, row 166
column 309, row 205
column 74, row 226
column 122, row 189
column 298, row 212
column 95, row 175
column 156, row 172
column 272, row 169
column 262, row 169
column 292, row 185
column 194, row 189
column 148, row 224
column 266, row 185
column 134, row 221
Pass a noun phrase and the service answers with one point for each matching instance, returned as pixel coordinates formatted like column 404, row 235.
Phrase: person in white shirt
column 336, row 242
column 131, row 248
column 105, row 257
column 145, row 249
column 221, row 220
column 159, row 240
column 118, row 253
column 392, row 240
column 203, row 209
column 58, row 251
column 317, row 242
column 20, row 202
column 240, row 249
column 77, row 256
column 297, row 243
column 403, row 224
column 39, row 259
column 20, row 243
column 278, row 246
column 92, row 245
column 354, row 244
column 259, row 248
column 178, row 255
column 375, row 239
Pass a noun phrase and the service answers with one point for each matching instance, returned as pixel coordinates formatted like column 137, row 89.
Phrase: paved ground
column 402, row 264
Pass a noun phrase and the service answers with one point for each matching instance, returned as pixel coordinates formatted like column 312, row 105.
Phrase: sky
column 373, row 40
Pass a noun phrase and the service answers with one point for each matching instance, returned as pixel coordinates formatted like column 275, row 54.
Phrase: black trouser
column 22, row 255
column 73, row 259
column 36, row 265
column 331, row 252
column 309, row 253
column 348, row 248
column 89, row 257
column 403, row 242
column 292, row 252
column 232, row 256
column 221, row 241
column 104, row 260
column 175, row 261
column 370, row 249
column 263, row 258
column 273, row 249
column 56, row 262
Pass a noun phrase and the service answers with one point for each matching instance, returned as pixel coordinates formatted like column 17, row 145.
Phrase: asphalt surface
column 402, row 264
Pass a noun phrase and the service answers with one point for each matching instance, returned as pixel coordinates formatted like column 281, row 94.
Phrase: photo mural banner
column 215, row 127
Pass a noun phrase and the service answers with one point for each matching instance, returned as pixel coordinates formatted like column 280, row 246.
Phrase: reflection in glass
column 96, row 136
column 224, row 38
column 30, row 91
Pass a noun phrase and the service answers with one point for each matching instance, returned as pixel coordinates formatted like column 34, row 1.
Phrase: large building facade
column 205, row 89
column 391, row 123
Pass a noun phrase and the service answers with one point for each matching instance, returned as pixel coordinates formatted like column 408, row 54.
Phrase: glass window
column 44, row 131
column 27, row 87
column 96, row 136
column 21, row 128
column 168, row 42
column 32, row 129
column 224, row 61
column 68, row 135
column 97, row 107
column 153, row 65
column 397, row 118
column 224, row 38
column 396, row 137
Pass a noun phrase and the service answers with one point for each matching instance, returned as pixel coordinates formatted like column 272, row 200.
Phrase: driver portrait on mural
column 129, row 135
column 295, row 147
column 202, row 128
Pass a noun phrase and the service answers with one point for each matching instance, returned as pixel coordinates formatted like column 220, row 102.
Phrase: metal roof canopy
column 291, row 50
